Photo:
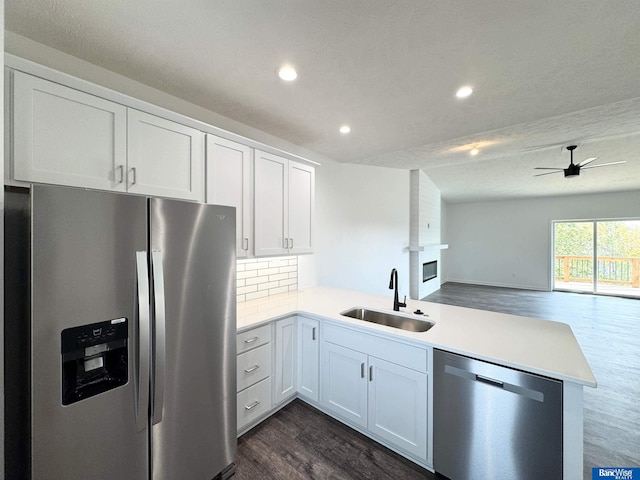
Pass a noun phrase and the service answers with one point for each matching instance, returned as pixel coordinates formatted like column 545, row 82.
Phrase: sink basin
column 388, row 319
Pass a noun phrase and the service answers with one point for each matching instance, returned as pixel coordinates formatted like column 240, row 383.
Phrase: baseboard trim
column 498, row 284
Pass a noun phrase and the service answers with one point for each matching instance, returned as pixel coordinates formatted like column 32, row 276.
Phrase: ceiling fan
column 573, row 170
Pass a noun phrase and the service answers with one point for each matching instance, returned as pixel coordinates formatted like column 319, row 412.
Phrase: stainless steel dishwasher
column 492, row 422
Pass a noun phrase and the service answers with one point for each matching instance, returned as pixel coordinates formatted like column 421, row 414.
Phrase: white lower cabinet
column 285, row 359
column 344, row 389
column 397, row 409
column 253, row 402
column 386, row 398
column 254, row 381
column 309, row 358
column 377, row 385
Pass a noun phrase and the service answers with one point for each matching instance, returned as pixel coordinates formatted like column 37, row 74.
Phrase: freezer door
column 194, row 388
column 84, row 272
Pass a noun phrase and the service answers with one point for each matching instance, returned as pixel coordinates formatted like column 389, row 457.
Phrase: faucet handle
column 404, row 303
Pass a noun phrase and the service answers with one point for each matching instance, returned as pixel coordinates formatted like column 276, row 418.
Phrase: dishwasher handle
column 489, row 381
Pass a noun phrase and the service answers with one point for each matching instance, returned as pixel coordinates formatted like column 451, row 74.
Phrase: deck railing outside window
column 623, row 271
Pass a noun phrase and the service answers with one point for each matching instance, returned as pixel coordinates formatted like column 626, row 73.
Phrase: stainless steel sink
column 388, row 319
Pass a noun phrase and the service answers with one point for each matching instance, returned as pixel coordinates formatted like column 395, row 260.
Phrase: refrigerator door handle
column 143, row 357
column 159, row 336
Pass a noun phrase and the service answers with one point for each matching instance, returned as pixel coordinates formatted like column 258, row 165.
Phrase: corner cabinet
column 378, row 385
column 64, row 136
column 309, row 358
column 285, row 360
column 284, row 193
column 229, row 183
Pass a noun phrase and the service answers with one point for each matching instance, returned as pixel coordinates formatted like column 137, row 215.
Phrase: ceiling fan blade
column 548, row 173
column 588, row 160
column 548, row 168
column 606, row 164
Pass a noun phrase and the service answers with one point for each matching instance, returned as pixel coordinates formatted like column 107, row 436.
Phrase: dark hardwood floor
column 299, row 442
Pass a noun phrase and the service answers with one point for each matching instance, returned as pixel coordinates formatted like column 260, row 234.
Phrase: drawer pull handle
column 251, row 340
column 252, row 369
column 252, row 406
column 371, row 373
column 313, row 333
column 362, row 370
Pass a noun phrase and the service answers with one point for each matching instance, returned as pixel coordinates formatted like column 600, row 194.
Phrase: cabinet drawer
column 253, row 402
column 389, row 350
column 253, row 338
column 253, row 366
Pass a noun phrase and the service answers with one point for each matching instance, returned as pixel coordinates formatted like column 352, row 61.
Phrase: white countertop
column 530, row 344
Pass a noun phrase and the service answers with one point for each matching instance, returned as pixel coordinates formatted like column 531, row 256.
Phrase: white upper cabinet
column 67, row 137
column 164, row 158
column 284, row 205
column 64, row 136
column 229, row 183
column 301, row 206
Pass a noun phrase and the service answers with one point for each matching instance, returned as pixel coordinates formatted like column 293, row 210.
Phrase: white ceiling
column 546, row 74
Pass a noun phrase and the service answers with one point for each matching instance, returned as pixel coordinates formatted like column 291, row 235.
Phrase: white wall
column 508, row 243
column 362, row 227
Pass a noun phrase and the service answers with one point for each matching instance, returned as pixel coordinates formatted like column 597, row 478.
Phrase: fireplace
column 429, row 271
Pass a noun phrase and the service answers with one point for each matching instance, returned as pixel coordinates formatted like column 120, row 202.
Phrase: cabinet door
column 398, row 406
column 271, row 200
column 301, row 207
column 164, row 158
column 66, row 137
column 285, row 365
column 229, row 183
column 308, row 358
column 344, row 383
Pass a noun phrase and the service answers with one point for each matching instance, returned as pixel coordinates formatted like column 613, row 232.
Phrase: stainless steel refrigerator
column 120, row 336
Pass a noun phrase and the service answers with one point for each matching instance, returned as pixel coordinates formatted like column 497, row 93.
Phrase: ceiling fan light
column 474, row 152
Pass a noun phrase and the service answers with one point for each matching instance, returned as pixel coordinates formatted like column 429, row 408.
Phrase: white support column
column 572, row 431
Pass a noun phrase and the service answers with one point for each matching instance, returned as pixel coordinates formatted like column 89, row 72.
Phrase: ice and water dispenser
column 94, row 359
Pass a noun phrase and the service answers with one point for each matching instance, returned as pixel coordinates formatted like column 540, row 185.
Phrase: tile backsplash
column 261, row 277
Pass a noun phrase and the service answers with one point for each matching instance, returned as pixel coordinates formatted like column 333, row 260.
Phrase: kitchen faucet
column 394, row 282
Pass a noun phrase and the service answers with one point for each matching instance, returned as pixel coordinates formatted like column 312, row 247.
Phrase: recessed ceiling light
column 464, row 92
column 344, row 129
column 474, row 152
column 287, row 73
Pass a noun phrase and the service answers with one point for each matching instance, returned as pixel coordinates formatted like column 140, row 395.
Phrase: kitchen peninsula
column 540, row 347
